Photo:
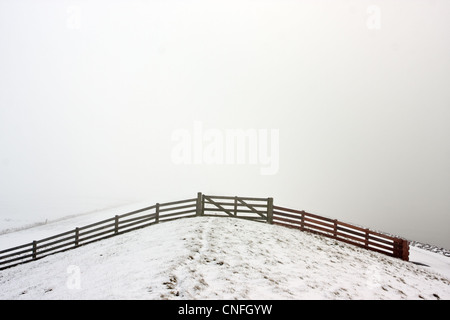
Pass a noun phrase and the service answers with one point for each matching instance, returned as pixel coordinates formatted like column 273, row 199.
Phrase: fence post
column 397, row 247
column 202, row 211
column 366, row 240
column 235, row 205
column 77, row 234
column 199, row 207
column 157, row 213
column 302, row 221
column 270, row 210
column 335, row 228
column 34, row 249
column 405, row 250
column 116, row 224
column 401, row 249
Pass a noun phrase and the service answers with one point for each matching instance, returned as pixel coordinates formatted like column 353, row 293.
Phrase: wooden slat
column 351, row 228
column 362, row 240
column 253, row 199
column 177, row 208
column 362, row 246
column 40, row 252
column 351, row 231
column 216, row 210
column 349, row 236
column 251, row 208
column 381, row 246
column 260, row 213
column 325, row 224
column 238, row 210
column 11, row 265
column 177, row 217
column 29, row 256
column 56, row 241
column 364, row 230
column 116, row 234
column 279, row 213
column 136, row 211
column 177, row 214
column 225, row 204
column 218, row 205
column 332, row 237
column 18, row 252
column 278, row 218
column 312, row 226
column 16, row 248
column 232, row 204
column 254, row 205
column 97, row 223
column 141, row 221
column 339, row 235
column 372, row 239
column 111, row 225
column 305, row 225
column 219, row 214
column 55, row 236
column 307, row 214
column 177, row 202
column 219, row 197
column 232, row 198
column 96, row 235
column 277, row 208
column 137, row 218
column 132, row 229
column 253, row 218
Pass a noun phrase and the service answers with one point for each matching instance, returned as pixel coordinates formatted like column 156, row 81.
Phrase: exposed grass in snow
column 220, row 258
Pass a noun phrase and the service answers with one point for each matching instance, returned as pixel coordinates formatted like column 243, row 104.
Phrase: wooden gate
column 255, row 209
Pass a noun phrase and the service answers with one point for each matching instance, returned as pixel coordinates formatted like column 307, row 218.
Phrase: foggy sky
column 92, row 91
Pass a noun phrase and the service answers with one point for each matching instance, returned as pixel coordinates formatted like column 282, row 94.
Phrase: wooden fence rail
column 255, row 209
column 348, row 233
column 236, row 207
column 97, row 231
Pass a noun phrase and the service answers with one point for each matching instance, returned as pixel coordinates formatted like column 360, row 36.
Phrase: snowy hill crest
column 254, row 209
column 222, row 258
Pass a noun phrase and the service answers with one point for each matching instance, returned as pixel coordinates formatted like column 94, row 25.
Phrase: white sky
column 91, row 92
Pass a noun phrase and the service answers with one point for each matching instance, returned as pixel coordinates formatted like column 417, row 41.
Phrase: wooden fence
column 345, row 232
column 236, row 207
column 255, row 209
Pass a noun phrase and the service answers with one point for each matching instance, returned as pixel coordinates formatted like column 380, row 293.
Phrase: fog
column 96, row 98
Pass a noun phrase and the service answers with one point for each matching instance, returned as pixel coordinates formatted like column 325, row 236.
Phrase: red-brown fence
column 249, row 208
column 348, row 233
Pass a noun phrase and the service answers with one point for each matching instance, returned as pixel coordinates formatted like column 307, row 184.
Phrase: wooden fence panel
column 348, row 233
column 93, row 232
column 250, row 208
column 238, row 207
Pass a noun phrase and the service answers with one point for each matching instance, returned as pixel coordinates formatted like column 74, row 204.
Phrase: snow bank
column 221, row 258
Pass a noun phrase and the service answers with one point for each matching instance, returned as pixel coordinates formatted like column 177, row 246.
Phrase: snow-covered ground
column 16, row 215
column 219, row 258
